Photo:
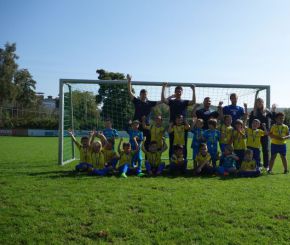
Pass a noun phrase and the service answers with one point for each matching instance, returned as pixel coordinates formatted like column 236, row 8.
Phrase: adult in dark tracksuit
column 143, row 107
column 265, row 116
column 206, row 112
column 177, row 106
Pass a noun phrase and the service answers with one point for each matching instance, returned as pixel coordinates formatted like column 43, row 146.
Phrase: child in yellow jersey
column 85, row 152
column 153, row 163
column 177, row 161
column 239, row 140
column 203, row 160
column 254, row 135
column 248, row 166
column 226, row 130
column 125, row 157
column 279, row 133
column 156, row 130
column 110, row 155
column 97, row 155
column 179, row 129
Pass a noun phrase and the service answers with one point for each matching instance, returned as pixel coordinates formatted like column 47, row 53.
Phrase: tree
column 114, row 99
column 25, row 86
column 8, row 67
column 85, row 110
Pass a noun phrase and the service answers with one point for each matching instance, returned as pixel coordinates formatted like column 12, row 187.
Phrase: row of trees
column 20, row 107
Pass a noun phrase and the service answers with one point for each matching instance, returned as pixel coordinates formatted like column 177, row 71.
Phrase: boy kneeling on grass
column 153, row 163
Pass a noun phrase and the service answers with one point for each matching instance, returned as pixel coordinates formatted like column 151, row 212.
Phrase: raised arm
column 143, row 146
column 136, row 144
column 186, row 125
column 220, row 111
column 195, row 106
column 165, row 146
column 193, row 100
column 170, row 128
column 119, row 146
column 255, row 104
column 70, row 132
column 163, row 99
column 246, row 115
column 132, row 96
column 92, row 137
column 102, row 137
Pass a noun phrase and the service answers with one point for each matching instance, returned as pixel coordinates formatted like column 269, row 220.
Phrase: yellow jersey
column 156, row 134
column 85, row 153
column 200, row 159
column 178, row 132
column 248, row 165
column 280, row 131
column 176, row 159
column 98, row 160
column 254, row 137
column 125, row 158
column 239, row 141
column 109, row 155
column 226, row 134
column 154, row 158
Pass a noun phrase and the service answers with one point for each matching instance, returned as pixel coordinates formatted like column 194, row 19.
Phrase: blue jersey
column 235, row 111
column 227, row 162
column 110, row 133
column 135, row 133
column 197, row 137
column 212, row 137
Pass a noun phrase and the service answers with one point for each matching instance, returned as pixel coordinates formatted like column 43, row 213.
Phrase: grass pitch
column 42, row 203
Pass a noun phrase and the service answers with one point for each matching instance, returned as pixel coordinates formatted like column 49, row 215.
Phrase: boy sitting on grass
column 97, row 156
column 177, row 161
column 110, row 155
column 85, row 152
column 249, row 167
column 228, row 161
column 203, row 160
column 153, row 163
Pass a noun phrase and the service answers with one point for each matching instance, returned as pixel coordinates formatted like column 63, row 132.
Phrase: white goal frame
column 63, row 82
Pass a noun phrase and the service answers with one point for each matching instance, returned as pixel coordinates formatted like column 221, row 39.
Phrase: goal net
column 85, row 104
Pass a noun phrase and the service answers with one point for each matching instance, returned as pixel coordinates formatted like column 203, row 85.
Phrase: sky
column 198, row 41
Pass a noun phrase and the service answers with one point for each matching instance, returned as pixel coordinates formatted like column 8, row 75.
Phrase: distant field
column 43, row 203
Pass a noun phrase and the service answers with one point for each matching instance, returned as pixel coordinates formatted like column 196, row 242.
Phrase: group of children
column 239, row 145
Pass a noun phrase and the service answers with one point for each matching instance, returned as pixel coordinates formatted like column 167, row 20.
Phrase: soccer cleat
column 124, row 175
column 286, row 171
column 269, row 171
column 140, row 175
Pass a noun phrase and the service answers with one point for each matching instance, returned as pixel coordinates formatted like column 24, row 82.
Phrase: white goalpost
column 84, row 104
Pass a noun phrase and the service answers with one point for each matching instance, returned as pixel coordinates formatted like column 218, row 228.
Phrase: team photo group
column 227, row 140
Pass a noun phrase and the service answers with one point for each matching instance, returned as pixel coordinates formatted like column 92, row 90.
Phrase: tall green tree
column 8, row 67
column 25, row 88
column 114, row 99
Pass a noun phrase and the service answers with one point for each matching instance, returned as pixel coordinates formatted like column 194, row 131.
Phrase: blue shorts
column 281, row 149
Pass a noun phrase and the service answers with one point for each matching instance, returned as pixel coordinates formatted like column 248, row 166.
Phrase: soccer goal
column 84, row 104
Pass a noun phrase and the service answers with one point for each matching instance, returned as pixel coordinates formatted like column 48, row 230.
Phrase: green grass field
column 42, row 203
